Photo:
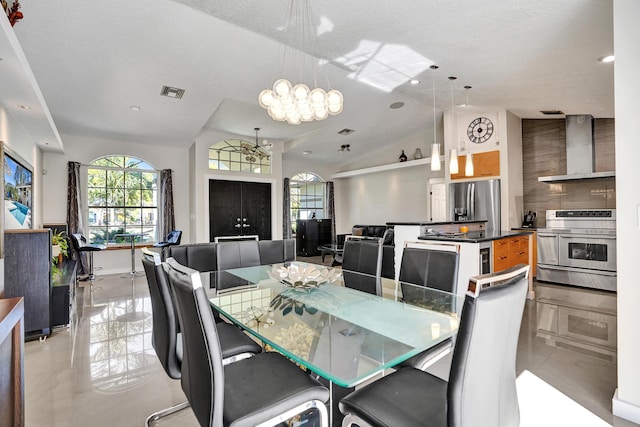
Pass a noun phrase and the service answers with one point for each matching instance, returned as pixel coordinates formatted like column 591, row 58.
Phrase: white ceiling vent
column 172, row 92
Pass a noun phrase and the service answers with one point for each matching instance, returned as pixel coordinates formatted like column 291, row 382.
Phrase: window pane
column 96, row 178
column 115, row 179
column 133, row 216
column 115, row 197
column 115, row 216
column 234, row 166
column 148, row 234
column 133, row 179
column 148, row 198
column 97, row 196
column 96, row 216
column 97, row 234
column 149, row 180
column 149, row 216
column 133, row 198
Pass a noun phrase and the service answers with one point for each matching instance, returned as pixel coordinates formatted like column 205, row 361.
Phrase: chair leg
column 320, row 406
column 351, row 420
column 164, row 412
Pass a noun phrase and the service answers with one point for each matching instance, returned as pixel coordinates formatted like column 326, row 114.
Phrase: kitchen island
column 481, row 251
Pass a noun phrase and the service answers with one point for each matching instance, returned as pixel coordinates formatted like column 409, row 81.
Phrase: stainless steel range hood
column 580, row 152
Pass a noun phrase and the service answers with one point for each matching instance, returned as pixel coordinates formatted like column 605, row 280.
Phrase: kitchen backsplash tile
column 544, row 154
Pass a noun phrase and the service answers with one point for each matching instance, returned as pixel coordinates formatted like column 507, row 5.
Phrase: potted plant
column 60, row 247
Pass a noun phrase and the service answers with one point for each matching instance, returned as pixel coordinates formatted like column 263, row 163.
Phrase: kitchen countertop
column 475, row 236
column 475, row 221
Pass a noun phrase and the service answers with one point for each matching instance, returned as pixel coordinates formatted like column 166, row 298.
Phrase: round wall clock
column 480, row 130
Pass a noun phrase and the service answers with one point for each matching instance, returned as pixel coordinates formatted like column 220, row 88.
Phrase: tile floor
column 103, row 371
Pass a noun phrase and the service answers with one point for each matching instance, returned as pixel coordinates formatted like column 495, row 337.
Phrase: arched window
column 239, row 156
column 122, row 195
column 307, row 197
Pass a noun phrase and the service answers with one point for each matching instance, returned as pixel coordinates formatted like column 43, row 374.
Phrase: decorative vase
column 403, row 157
column 418, row 154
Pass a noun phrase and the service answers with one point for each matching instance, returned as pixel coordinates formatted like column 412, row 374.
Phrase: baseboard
column 625, row 410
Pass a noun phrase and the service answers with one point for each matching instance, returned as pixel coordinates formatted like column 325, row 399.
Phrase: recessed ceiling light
column 306, row 153
column 608, row 58
column 396, row 105
column 24, row 107
column 414, row 81
column 135, row 108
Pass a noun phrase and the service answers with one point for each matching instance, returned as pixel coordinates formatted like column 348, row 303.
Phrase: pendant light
column 468, row 167
column 435, row 147
column 453, row 153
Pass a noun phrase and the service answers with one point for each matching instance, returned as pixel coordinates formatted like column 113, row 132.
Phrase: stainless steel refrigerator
column 477, row 200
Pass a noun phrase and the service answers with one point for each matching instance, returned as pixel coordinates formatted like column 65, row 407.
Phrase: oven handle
column 588, row 236
column 547, row 235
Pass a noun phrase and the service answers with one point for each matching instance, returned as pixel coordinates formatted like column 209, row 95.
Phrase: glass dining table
column 342, row 334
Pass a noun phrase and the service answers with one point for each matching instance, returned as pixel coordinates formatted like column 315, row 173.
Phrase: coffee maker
column 529, row 218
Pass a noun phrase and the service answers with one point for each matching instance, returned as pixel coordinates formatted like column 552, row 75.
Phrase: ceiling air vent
column 172, row 92
column 551, row 112
column 346, row 131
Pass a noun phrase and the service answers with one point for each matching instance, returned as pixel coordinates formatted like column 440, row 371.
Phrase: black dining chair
column 166, row 337
column 82, row 246
column 481, row 390
column 264, row 390
column 236, row 254
column 363, row 255
column 434, row 266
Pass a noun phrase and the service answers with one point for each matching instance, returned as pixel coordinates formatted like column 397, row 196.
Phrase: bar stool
column 81, row 245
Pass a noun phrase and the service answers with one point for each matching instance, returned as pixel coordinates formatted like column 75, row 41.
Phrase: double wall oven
column 578, row 247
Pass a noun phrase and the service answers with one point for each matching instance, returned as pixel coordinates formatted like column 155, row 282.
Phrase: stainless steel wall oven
column 578, row 247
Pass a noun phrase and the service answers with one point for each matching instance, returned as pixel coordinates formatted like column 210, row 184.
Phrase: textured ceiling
column 93, row 60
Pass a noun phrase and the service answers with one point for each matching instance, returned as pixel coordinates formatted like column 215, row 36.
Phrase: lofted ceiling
column 94, row 60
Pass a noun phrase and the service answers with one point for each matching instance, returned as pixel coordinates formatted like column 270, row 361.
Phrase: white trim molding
column 625, row 410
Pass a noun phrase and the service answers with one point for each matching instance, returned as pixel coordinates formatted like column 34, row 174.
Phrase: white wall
column 13, row 135
column 627, row 93
column 85, row 150
column 507, row 138
column 392, row 196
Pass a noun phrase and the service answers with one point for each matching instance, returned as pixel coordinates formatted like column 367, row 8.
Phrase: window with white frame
column 239, row 156
column 122, row 196
column 307, row 197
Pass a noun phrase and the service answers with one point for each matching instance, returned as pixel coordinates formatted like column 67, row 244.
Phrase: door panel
column 256, row 209
column 239, row 208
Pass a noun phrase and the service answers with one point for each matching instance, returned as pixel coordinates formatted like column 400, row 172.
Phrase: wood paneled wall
column 544, row 154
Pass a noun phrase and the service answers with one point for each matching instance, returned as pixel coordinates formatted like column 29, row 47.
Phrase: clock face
column 480, row 130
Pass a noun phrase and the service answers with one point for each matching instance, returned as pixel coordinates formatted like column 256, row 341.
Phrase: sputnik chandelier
column 253, row 152
column 297, row 102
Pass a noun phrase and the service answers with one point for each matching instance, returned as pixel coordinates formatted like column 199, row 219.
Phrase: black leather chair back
column 202, row 370
column 482, row 383
column 165, row 320
column 276, row 251
column 236, row 254
column 427, row 267
column 199, row 256
column 363, row 256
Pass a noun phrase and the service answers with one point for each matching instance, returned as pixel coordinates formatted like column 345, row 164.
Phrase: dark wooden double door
column 238, row 208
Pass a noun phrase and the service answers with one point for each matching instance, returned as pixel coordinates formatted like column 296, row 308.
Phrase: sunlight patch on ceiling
column 383, row 66
column 325, row 26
